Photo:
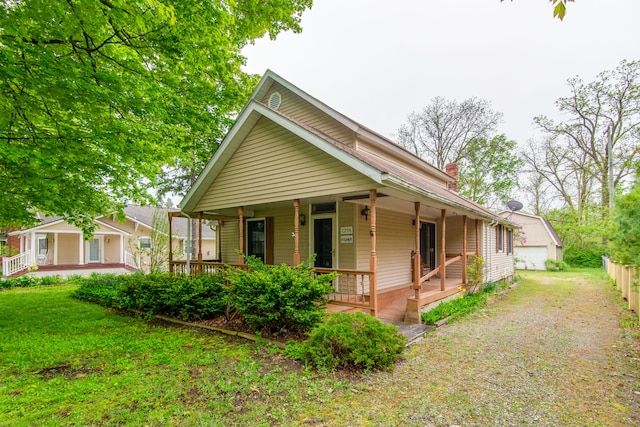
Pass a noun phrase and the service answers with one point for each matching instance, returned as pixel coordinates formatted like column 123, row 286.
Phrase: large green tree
column 489, row 171
column 98, row 97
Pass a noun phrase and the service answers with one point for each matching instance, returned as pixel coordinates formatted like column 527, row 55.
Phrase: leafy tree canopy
column 625, row 241
column 489, row 171
column 96, row 96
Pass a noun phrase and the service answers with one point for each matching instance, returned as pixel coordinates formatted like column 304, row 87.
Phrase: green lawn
column 65, row 362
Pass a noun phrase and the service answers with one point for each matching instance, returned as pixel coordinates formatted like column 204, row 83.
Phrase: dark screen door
column 323, row 242
column 428, row 244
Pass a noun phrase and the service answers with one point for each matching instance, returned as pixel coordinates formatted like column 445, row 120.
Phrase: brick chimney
column 452, row 170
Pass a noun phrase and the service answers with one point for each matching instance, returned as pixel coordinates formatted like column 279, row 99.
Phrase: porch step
column 412, row 331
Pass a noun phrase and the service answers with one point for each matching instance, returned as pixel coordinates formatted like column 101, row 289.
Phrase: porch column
column 219, row 240
column 80, row 249
column 373, row 260
column 170, row 214
column 464, row 249
column 477, row 239
column 33, row 248
column 123, row 255
column 443, row 255
column 296, row 232
column 55, row 248
column 200, row 242
column 417, row 262
column 241, row 232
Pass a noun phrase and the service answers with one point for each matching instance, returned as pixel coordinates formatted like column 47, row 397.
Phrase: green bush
column 351, row 341
column 556, row 265
column 103, row 289
column 583, row 257
column 276, row 298
column 182, row 297
column 29, row 280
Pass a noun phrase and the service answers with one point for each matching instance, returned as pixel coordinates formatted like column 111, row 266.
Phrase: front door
column 323, row 242
column 94, row 250
column 428, row 245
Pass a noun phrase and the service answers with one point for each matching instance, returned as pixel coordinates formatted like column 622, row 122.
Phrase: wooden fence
column 627, row 280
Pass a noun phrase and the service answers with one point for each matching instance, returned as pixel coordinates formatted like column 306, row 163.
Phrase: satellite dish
column 514, row 205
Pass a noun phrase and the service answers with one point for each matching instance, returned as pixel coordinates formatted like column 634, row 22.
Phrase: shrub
column 556, row 265
column 103, row 289
column 29, row 280
column 182, row 297
column 352, row 341
column 276, row 298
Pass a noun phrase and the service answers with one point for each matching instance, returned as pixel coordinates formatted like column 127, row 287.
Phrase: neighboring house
column 293, row 177
column 538, row 241
column 54, row 244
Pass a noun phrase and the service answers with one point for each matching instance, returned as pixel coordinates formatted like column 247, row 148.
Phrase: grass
column 66, row 362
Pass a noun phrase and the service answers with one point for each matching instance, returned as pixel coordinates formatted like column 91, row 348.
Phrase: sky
column 376, row 61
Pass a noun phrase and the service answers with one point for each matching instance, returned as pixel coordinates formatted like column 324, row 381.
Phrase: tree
column 156, row 254
column 96, row 96
column 567, row 173
column 442, row 132
column 602, row 131
column 489, row 171
column 625, row 239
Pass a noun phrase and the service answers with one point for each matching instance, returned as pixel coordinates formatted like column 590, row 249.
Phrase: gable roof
column 142, row 215
column 377, row 168
column 553, row 235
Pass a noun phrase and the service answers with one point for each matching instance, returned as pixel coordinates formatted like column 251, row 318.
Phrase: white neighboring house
column 538, row 243
column 55, row 245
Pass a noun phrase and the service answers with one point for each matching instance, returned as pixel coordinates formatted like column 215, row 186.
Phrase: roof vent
column 275, row 99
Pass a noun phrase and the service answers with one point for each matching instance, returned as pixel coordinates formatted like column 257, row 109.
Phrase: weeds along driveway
column 550, row 352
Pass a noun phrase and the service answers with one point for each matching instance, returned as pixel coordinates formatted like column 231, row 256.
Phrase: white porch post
column 55, row 248
column 122, row 257
column 33, row 247
column 80, row 249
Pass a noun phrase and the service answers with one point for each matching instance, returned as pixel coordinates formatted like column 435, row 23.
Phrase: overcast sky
column 376, row 61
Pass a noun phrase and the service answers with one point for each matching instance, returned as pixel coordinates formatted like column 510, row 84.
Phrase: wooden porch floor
column 394, row 311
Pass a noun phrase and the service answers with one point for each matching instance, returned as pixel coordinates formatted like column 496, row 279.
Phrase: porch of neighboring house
column 436, row 277
column 65, row 249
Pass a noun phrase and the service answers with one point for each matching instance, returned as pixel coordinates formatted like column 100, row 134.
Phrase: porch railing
column 15, row 264
column 205, row 267
column 351, row 288
column 130, row 260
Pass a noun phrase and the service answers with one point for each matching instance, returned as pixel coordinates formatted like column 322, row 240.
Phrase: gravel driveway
column 549, row 352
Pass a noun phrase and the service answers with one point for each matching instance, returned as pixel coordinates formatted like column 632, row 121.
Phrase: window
column 144, row 242
column 509, row 241
column 499, row 238
column 323, row 208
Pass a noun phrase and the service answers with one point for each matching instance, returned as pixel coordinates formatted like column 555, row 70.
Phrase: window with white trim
column 144, row 242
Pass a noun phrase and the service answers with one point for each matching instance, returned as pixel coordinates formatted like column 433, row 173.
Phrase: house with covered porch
column 294, row 178
column 56, row 245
